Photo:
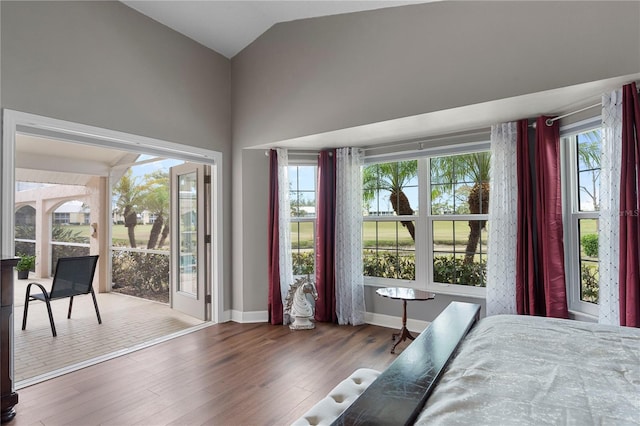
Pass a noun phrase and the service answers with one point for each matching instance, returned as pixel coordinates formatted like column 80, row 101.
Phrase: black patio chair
column 73, row 277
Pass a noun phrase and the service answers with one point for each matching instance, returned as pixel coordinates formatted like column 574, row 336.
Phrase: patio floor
column 127, row 324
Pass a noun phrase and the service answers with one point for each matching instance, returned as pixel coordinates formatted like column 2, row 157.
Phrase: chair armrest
column 45, row 294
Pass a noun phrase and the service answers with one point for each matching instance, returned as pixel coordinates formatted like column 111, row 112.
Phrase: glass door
column 189, row 240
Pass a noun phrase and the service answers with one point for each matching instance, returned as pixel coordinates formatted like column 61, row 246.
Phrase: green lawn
column 588, row 226
column 386, row 232
column 120, row 236
column 83, row 230
column 119, row 233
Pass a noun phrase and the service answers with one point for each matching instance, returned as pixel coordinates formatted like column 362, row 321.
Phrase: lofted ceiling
column 229, row 26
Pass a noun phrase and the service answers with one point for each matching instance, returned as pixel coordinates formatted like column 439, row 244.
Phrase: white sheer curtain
column 609, row 216
column 350, row 307
column 284, row 209
column 503, row 221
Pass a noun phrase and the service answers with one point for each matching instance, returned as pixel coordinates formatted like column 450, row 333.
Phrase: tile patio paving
column 127, row 322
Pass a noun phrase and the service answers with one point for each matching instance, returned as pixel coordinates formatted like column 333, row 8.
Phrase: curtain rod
column 549, row 121
column 420, row 143
column 300, row 153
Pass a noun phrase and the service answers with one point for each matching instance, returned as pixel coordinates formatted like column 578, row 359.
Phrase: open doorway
column 137, row 257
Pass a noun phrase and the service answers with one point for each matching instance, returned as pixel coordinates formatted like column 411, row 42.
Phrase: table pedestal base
column 403, row 294
column 402, row 335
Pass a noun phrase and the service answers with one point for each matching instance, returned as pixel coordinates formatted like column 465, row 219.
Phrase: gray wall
column 318, row 75
column 416, row 310
column 106, row 65
column 103, row 64
column 254, row 236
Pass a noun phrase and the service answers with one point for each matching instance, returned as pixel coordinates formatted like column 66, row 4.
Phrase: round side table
column 404, row 294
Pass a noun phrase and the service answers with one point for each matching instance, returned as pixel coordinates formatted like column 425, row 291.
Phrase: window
column 459, row 189
column 583, row 172
column 390, row 196
column 302, row 198
column 425, row 222
column 61, row 218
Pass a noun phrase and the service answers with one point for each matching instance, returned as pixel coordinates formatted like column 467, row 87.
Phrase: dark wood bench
column 397, row 396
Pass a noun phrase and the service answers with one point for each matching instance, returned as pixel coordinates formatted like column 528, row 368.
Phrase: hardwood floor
column 226, row 374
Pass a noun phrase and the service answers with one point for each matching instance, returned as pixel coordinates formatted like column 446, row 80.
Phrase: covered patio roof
column 77, row 171
column 44, row 160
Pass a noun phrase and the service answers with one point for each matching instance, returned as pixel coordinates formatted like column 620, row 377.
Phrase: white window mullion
column 423, row 230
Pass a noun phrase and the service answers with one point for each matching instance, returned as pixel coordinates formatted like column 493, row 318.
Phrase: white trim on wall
column 416, row 326
column 248, row 317
column 381, row 320
column 16, row 121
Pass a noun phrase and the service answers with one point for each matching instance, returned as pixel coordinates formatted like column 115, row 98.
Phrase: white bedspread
column 518, row 370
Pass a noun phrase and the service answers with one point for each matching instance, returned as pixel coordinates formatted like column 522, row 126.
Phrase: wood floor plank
column 238, row 374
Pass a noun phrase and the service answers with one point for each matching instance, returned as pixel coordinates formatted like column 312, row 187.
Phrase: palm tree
column 129, row 200
column 156, row 201
column 392, row 177
column 589, row 161
column 470, row 168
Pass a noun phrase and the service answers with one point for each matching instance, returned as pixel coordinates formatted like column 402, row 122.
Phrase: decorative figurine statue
column 298, row 306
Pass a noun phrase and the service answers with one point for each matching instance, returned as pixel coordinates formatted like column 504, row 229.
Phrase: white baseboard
column 389, row 321
column 248, row 317
column 372, row 318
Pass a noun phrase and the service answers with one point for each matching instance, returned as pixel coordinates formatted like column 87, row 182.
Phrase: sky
column 144, row 169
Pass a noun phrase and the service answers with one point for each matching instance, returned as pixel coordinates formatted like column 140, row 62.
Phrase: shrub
column 589, row 278
column 590, row 245
column 389, row 265
column 453, row 270
column 146, row 274
column 68, row 235
column 303, row 263
column 26, row 232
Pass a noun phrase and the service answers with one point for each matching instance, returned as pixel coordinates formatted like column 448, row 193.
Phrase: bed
column 507, row 370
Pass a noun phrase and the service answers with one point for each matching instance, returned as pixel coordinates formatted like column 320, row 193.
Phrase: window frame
column 572, row 214
column 424, row 222
column 393, row 282
column 304, row 219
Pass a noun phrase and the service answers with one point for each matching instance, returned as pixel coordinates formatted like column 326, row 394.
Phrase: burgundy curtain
column 325, row 238
column 629, row 209
column 525, row 251
column 275, row 307
column 540, row 282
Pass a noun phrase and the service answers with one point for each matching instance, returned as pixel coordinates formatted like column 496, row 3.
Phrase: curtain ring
column 549, row 122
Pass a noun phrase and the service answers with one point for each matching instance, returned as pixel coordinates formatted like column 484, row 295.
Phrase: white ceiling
column 45, row 160
column 229, row 26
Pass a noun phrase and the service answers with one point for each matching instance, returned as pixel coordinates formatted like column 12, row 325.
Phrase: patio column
column 43, row 239
column 99, row 200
